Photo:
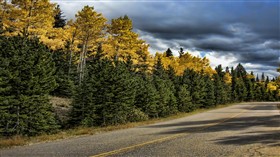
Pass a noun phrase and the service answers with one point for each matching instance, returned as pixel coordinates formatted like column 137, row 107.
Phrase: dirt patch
column 61, row 107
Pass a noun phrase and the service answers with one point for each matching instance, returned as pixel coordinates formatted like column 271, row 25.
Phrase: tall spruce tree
column 167, row 103
column 197, row 87
column 59, row 20
column 184, row 99
column 65, row 82
column 234, row 96
column 147, row 97
column 108, row 97
column 169, row 53
column 27, row 77
column 240, row 71
column 210, row 93
column 159, row 70
column 181, row 52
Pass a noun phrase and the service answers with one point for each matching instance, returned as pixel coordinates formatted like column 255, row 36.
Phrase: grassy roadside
column 81, row 131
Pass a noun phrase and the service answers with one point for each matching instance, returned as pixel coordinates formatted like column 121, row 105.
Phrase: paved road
column 247, row 129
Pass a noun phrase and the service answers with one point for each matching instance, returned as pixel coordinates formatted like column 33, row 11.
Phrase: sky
column 227, row 32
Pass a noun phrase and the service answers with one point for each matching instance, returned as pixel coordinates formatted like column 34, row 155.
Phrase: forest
column 106, row 69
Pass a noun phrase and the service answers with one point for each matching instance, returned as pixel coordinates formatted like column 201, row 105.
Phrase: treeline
column 112, row 92
column 107, row 71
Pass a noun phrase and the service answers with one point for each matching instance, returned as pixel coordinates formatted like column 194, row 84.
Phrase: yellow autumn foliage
column 186, row 61
column 35, row 18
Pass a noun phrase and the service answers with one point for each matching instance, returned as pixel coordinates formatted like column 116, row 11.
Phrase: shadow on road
column 270, row 138
column 236, row 124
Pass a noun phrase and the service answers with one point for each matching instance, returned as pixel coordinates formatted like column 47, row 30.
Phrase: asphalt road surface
column 247, row 129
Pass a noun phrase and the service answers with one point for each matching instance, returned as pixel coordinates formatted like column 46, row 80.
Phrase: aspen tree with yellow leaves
column 32, row 19
column 90, row 27
column 123, row 42
column 29, row 18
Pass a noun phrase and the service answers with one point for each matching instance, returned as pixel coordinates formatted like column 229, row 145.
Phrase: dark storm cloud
column 273, row 45
column 266, row 57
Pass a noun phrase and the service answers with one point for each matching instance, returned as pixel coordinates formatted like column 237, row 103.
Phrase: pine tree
column 184, row 99
column 266, row 81
column 234, row 96
column 210, row 99
column 241, row 90
column 169, row 53
column 262, row 77
column 240, row 71
column 27, row 77
column 159, row 70
column 181, row 52
column 171, row 74
column 219, row 90
column 250, row 89
column 60, row 21
column 147, row 97
column 65, row 82
column 108, row 97
column 167, row 103
column 257, row 79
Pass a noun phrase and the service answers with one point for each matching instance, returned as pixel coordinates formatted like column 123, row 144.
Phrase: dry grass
column 80, row 131
column 13, row 141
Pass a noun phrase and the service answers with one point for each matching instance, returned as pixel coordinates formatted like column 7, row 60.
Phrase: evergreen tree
column 241, row 90
column 171, row 74
column 196, row 86
column 240, row 71
column 65, row 82
column 159, row 70
column 60, row 21
column 220, row 93
column 167, row 103
column 258, row 92
column 184, row 99
column 219, row 71
column 250, row 89
column 110, row 95
column 219, row 90
column 266, row 81
column 253, row 80
column 27, row 77
column 181, row 52
column 169, row 53
column 257, row 79
column 234, row 96
column 210, row 93
column 147, row 97
column 262, row 78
